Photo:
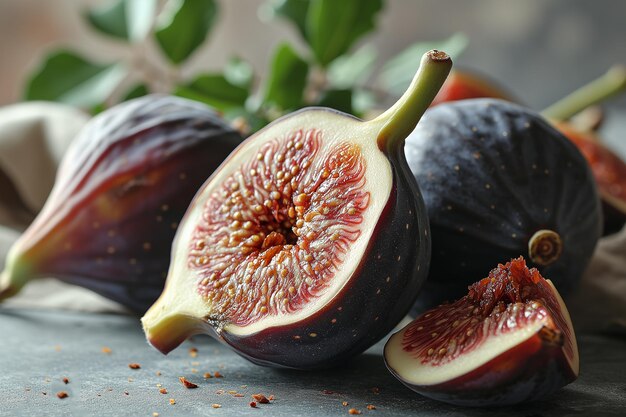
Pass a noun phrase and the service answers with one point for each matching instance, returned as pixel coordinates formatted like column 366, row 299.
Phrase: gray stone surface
column 39, row 348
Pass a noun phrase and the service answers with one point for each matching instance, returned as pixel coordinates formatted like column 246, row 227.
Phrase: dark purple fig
column 499, row 182
column 311, row 241
column 509, row 340
column 121, row 189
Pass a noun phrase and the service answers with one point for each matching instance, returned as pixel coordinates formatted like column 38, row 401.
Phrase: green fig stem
column 13, row 279
column 400, row 120
column 608, row 85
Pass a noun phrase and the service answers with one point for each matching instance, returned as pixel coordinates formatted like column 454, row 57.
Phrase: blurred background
column 539, row 50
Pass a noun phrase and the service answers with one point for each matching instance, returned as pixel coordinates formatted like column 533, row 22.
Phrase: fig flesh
column 509, row 340
column 121, row 189
column 499, row 182
column 294, row 252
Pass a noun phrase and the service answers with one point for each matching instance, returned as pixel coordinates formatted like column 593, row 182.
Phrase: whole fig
column 500, row 182
column 120, row 191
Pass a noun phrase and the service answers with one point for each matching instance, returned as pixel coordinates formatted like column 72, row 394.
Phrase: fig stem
column 401, row 118
column 13, row 279
column 612, row 83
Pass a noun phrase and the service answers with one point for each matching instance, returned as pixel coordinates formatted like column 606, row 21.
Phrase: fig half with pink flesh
column 121, row 189
column 309, row 243
column 509, row 340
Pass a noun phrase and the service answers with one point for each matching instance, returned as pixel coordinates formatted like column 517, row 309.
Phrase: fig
column 510, row 339
column 120, row 191
column 311, row 241
column 609, row 171
column 466, row 84
column 498, row 182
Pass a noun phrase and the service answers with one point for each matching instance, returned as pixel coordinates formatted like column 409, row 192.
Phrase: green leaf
column 294, row 11
column 350, row 70
column 110, row 18
column 124, row 19
column 214, row 90
column 71, row 79
column 398, row 72
column 337, row 99
column 287, row 79
column 136, row 91
column 239, row 72
column 184, row 26
column 333, row 26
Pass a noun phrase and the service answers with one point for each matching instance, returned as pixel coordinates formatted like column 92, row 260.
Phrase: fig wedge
column 509, row 340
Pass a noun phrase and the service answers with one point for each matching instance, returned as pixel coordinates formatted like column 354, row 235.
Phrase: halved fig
column 608, row 169
column 309, row 243
column 572, row 116
column 121, row 189
column 510, row 339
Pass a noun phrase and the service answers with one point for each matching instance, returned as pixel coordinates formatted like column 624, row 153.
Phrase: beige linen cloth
column 34, row 136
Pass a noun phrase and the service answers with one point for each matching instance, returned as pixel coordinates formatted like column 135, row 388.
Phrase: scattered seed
column 371, row 407
column 106, row 350
column 134, row 365
column 217, row 374
column 252, row 404
column 193, row 352
column 216, row 405
column 344, row 403
column 163, row 391
column 61, row 394
column 354, row 411
column 65, row 380
column 172, row 401
column 262, row 399
column 207, row 375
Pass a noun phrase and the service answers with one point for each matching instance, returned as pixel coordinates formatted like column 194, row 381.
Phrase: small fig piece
column 309, row 244
column 121, row 189
column 509, row 340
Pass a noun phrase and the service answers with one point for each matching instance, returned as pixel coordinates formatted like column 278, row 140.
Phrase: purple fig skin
column 333, row 334
column 120, row 192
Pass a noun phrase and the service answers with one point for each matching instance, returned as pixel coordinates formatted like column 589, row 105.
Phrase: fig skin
column 378, row 284
column 120, row 191
column 492, row 174
column 537, row 365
